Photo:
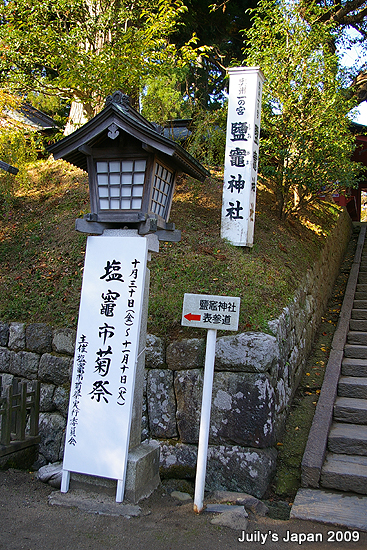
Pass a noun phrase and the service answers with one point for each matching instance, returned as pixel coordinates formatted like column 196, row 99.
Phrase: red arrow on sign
column 192, row 317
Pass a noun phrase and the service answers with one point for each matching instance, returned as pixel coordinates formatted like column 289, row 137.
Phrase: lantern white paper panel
column 241, row 155
column 102, row 387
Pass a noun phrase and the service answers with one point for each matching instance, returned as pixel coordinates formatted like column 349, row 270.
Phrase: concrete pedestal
column 142, row 475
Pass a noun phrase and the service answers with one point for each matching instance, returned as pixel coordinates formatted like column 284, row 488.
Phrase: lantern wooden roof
column 75, row 147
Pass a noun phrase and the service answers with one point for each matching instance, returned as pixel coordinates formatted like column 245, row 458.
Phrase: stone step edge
column 315, row 450
column 335, row 508
column 345, row 473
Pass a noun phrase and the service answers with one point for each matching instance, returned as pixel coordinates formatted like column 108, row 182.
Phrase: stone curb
column 315, row 450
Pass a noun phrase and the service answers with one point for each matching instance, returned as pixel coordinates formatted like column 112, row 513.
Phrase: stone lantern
column 132, row 170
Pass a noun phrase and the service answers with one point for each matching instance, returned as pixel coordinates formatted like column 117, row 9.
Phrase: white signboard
column 102, row 387
column 241, row 155
column 210, row 312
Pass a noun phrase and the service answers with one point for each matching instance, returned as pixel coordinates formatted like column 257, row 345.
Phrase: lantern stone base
column 142, row 475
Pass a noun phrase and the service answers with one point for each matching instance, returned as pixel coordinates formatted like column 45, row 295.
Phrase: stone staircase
column 345, row 466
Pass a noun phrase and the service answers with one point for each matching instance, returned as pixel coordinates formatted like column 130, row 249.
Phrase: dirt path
column 28, row 522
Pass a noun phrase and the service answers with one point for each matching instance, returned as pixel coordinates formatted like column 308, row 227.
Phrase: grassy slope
column 41, row 255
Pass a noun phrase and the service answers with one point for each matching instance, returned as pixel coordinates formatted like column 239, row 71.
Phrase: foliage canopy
column 306, row 141
column 85, row 49
column 17, row 148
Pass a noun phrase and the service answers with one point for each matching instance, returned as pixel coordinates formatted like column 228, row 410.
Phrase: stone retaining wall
column 255, row 379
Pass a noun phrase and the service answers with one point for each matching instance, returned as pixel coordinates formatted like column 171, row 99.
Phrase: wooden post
column 34, row 408
column 6, row 420
column 22, row 413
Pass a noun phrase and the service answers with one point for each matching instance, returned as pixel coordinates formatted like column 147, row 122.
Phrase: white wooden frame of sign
column 102, row 387
column 241, row 155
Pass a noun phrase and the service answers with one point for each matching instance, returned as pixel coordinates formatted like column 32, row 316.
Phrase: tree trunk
column 77, row 117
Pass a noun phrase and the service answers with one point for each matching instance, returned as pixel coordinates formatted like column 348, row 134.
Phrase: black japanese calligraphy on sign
column 241, row 107
column 254, row 160
column 236, row 184
column 239, row 131
column 81, row 350
column 129, row 320
column 242, row 87
column 100, row 391
column 217, row 305
column 216, row 319
column 112, row 272
column 109, row 304
column 102, row 363
column 256, row 134
column 233, row 212
column 237, row 157
column 106, row 331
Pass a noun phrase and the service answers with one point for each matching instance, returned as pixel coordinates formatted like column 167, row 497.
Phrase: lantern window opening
column 162, row 186
column 120, row 184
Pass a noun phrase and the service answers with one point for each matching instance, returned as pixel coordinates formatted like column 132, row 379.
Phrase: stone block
column 233, row 518
column 154, row 352
column 21, row 460
column 51, row 428
column 38, row 338
column 248, row 352
column 6, row 358
column 300, row 323
column 62, row 446
column 46, row 395
column 63, row 341
column 142, row 473
column 4, row 334
column 243, row 408
column 281, row 397
column 188, row 386
column 144, row 421
column 186, row 354
column 25, row 364
column 16, row 336
column 6, row 379
column 61, row 400
column 161, row 404
column 241, row 499
column 230, row 468
column 240, row 469
column 177, row 461
column 55, row 370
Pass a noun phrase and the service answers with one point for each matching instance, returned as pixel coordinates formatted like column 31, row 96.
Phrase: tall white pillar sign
column 242, row 155
column 102, row 387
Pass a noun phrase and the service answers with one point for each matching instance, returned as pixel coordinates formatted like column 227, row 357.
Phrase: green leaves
column 86, row 49
column 306, row 144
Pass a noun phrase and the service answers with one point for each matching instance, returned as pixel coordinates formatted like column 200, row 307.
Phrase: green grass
column 42, row 256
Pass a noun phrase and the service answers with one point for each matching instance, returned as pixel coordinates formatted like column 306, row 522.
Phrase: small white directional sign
column 210, row 312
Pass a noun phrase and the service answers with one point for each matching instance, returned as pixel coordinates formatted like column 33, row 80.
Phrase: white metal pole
column 205, row 420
